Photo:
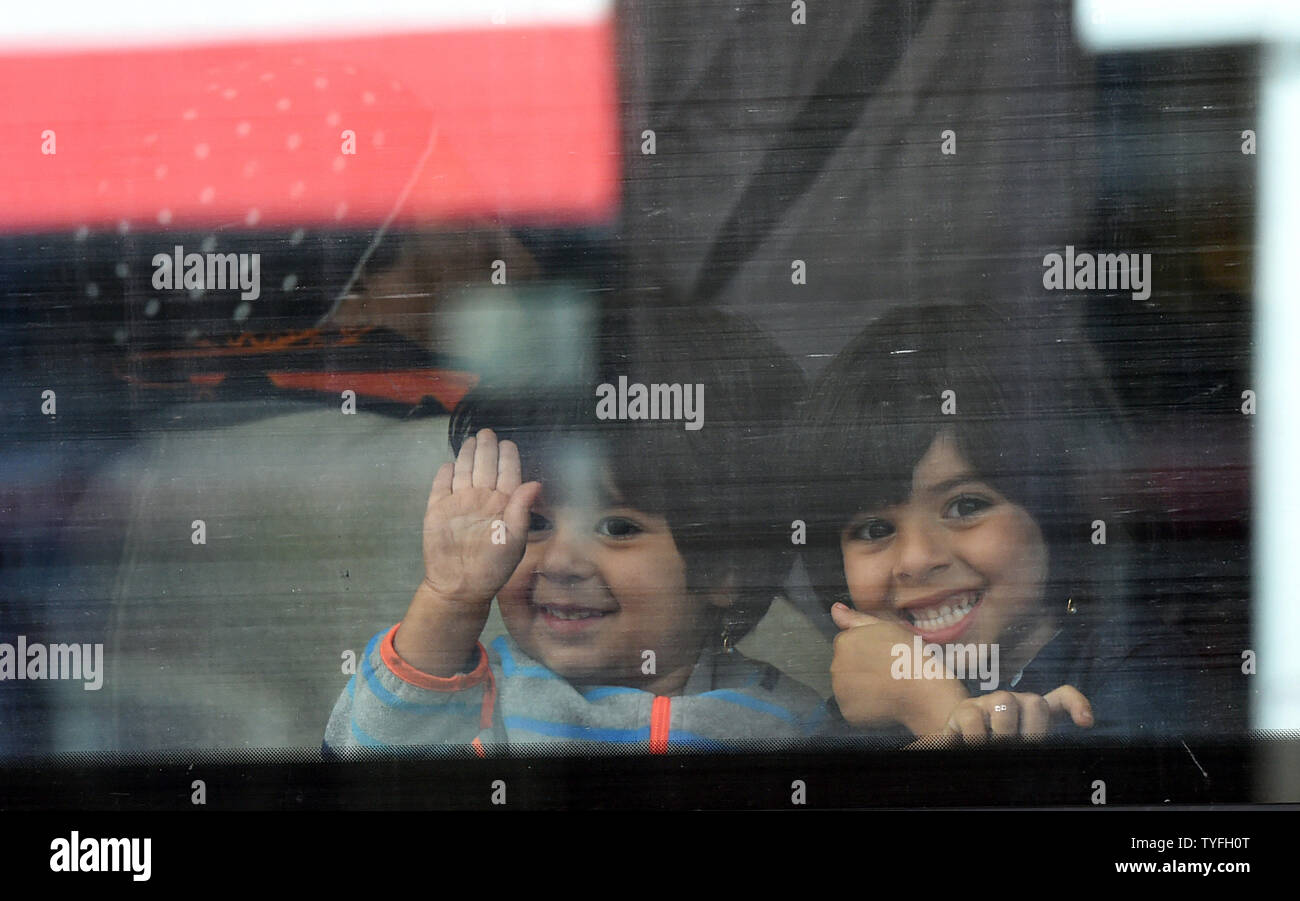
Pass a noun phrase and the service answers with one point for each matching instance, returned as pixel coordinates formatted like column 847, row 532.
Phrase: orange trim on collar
column 660, row 716
column 489, row 698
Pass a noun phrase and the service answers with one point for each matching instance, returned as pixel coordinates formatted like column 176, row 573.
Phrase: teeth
column 944, row 616
column 572, row 614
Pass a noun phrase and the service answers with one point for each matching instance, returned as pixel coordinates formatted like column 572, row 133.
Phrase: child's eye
column 873, row 530
column 538, row 523
column 967, row 505
column 618, row 527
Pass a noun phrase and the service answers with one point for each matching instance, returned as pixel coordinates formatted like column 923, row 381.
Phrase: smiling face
column 600, row 584
column 956, row 561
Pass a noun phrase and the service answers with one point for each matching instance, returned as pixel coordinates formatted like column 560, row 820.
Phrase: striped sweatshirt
column 729, row 703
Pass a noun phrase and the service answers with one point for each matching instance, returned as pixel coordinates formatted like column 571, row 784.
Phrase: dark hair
column 1030, row 410
column 720, row 487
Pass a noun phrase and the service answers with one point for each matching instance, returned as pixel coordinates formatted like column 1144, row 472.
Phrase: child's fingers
column 509, row 469
column 1003, row 712
column 463, row 472
column 969, row 722
column 1035, row 714
column 521, row 501
column 1068, row 699
column 442, row 482
column 485, row 460
column 849, row 619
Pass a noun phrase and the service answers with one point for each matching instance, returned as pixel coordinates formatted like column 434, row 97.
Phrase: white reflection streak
column 1108, row 25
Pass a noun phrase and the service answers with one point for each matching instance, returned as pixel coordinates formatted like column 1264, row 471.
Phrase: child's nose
column 922, row 551
column 566, row 556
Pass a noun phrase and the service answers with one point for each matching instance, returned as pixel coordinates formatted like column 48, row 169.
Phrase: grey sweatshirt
column 729, row 703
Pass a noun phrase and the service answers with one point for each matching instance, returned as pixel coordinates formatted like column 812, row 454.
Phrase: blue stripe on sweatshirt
column 699, row 742
column 510, row 668
column 366, row 741
column 578, row 732
column 737, row 698
column 612, row 736
column 605, row 691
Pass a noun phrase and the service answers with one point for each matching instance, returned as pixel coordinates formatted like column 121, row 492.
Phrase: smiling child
column 627, row 557
column 962, row 462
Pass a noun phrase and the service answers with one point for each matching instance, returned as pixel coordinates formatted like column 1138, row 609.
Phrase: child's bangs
column 580, row 460
column 878, row 416
column 874, row 461
column 599, row 466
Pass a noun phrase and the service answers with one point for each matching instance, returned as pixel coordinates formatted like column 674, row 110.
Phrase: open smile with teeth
column 943, row 616
column 572, row 613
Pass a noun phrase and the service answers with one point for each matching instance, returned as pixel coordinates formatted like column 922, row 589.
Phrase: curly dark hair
column 721, row 487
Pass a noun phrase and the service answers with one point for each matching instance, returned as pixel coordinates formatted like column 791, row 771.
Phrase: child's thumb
column 517, row 508
column 1068, row 699
column 846, row 618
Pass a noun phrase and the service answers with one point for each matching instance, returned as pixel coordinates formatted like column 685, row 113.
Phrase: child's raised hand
column 866, row 691
column 1007, row 713
column 476, row 522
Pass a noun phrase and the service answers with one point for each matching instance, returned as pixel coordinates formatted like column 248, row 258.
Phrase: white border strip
column 1276, row 609
column 96, row 24
column 1104, row 25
